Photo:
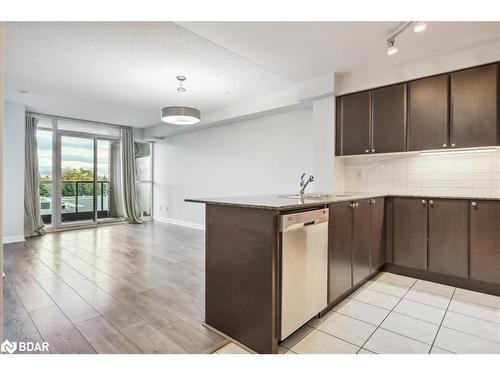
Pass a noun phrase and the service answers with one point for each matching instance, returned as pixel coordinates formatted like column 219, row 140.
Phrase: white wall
column 260, row 156
column 13, row 173
column 324, row 143
column 452, row 174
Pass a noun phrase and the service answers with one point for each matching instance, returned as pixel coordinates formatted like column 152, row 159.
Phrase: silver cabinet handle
column 367, row 151
column 444, row 145
column 373, row 150
column 423, row 202
column 372, row 201
column 473, row 204
column 431, row 202
column 357, row 204
column 453, row 145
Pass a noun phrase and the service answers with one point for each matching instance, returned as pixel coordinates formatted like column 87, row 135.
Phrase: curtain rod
column 79, row 120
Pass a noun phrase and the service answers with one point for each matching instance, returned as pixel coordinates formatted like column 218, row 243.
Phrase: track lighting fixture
column 418, row 26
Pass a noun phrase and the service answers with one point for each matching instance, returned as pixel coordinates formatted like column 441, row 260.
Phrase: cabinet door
column 338, row 126
column 449, row 237
column 360, row 240
column 485, row 241
column 339, row 250
column 377, row 233
column 474, row 107
column 428, row 113
column 355, row 123
column 389, row 119
column 410, row 232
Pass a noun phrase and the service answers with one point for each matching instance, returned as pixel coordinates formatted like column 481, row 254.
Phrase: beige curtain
column 33, row 224
column 130, row 198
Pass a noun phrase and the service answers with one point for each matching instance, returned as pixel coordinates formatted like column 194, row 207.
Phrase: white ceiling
column 302, row 50
column 125, row 72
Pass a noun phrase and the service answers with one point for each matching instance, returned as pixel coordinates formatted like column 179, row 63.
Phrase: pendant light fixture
column 179, row 114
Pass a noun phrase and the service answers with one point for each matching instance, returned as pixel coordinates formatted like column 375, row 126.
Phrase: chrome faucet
column 303, row 184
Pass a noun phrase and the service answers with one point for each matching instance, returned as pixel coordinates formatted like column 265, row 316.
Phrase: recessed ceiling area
column 124, row 72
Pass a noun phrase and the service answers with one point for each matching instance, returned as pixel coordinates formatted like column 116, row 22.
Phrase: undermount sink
column 313, row 196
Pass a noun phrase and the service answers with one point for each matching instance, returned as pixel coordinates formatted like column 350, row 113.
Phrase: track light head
column 419, row 26
column 391, row 48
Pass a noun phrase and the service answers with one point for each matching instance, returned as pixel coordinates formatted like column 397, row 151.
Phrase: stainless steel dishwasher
column 304, row 268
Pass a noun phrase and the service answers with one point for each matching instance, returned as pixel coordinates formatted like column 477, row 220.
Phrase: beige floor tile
column 410, row 327
column 420, row 311
column 427, row 298
column 462, row 343
column 364, row 351
column 318, row 342
column 477, row 311
column 360, row 289
column 397, row 279
column 348, row 329
column 373, row 297
column 296, row 336
column 473, row 326
column 476, row 297
column 365, row 312
column 428, row 286
column 436, row 350
column 232, row 348
column 388, row 288
column 386, row 342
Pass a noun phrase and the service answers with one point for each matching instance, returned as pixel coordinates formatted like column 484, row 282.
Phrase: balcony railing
column 77, row 200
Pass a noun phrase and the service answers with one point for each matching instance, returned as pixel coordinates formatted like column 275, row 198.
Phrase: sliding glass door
column 81, row 173
column 77, row 183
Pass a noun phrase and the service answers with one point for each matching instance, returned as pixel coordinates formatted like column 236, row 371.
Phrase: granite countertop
column 279, row 202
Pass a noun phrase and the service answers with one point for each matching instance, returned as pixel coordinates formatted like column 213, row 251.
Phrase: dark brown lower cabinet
column 449, row 237
column 410, row 232
column 360, row 240
column 377, row 233
column 339, row 250
column 485, row 241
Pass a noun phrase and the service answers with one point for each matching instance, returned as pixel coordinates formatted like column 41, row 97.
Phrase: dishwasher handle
column 300, row 220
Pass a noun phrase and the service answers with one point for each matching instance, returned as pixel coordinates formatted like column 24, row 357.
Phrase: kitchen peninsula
column 444, row 239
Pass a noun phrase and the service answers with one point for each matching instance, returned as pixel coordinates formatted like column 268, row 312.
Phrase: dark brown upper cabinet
column 428, row 124
column 409, row 225
column 485, row 241
column 353, row 123
column 474, row 107
column 449, row 237
column 389, row 119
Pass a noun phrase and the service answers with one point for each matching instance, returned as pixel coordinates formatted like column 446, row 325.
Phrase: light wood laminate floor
column 113, row 289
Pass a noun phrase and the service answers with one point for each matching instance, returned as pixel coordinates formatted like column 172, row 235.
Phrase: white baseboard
column 182, row 223
column 12, row 239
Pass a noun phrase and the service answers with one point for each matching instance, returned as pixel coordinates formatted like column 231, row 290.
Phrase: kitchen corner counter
column 280, row 203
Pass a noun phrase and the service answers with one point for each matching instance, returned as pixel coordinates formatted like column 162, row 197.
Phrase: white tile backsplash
column 455, row 174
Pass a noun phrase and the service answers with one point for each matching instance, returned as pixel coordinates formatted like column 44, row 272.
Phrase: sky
column 76, row 153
